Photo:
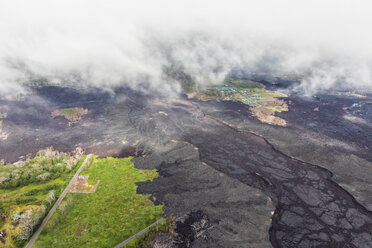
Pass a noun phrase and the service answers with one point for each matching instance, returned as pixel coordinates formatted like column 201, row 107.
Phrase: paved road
column 138, row 234
column 51, row 212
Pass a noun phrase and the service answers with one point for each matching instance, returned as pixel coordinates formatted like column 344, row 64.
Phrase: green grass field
column 106, row 217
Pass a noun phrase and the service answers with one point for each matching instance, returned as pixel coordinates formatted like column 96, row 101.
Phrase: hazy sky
column 108, row 43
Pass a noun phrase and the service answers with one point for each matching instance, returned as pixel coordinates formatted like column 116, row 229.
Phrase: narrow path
column 139, row 233
column 51, row 212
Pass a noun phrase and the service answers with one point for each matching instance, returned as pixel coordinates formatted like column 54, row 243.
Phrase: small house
column 16, row 216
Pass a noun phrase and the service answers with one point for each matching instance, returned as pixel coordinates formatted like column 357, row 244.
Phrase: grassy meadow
column 111, row 214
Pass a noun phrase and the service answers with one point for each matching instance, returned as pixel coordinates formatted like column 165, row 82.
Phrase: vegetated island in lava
column 73, row 115
column 263, row 103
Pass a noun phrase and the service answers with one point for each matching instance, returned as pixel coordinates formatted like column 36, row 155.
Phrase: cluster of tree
column 36, row 170
column 42, row 191
column 32, row 218
column 63, row 208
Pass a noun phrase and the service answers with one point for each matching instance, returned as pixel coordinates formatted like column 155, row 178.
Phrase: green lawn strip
column 106, row 217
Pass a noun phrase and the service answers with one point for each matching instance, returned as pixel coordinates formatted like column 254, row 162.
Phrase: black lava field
column 228, row 179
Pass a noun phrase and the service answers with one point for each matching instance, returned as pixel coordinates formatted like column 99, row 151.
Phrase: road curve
column 51, row 212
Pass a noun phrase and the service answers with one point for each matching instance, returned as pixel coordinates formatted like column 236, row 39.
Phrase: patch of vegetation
column 43, row 191
column 264, row 103
column 245, row 91
column 244, row 84
column 189, row 87
column 71, row 114
column 110, row 215
column 26, row 197
column 2, row 116
column 146, row 239
column 45, row 166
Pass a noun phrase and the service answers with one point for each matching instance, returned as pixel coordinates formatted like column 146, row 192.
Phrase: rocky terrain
column 228, row 179
column 191, row 189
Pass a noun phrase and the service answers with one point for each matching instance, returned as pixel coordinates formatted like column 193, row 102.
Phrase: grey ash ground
column 229, row 180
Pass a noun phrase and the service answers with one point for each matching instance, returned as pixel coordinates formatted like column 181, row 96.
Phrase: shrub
column 43, row 177
column 29, row 221
column 3, row 179
column 17, row 242
column 32, row 192
column 51, row 197
column 51, row 187
column 25, row 200
column 2, row 215
column 43, row 191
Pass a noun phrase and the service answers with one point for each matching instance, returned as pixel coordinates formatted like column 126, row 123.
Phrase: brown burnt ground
column 81, row 185
column 115, row 151
column 267, row 116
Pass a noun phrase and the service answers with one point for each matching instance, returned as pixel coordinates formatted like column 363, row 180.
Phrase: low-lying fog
column 110, row 43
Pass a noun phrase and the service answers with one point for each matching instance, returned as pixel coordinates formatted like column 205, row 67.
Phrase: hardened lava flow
column 229, row 180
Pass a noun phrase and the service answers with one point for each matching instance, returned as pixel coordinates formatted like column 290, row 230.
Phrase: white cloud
column 108, row 43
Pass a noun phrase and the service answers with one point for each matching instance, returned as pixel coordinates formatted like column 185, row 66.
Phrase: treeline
column 36, row 170
column 27, row 198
